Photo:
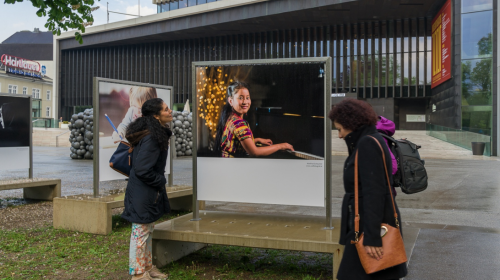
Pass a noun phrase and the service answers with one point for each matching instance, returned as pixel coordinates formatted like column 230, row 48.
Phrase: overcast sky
column 22, row 15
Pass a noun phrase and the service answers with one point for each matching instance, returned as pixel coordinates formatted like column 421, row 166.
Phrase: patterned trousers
column 140, row 248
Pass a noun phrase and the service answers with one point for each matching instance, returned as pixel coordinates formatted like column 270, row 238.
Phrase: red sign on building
column 441, row 46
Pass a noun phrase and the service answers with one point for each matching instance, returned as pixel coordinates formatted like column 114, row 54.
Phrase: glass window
column 429, row 66
column 421, row 68
column 48, row 94
column 182, row 4
column 398, row 69
column 391, row 45
column 25, row 90
column 208, row 1
column 476, row 82
column 361, row 71
column 10, row 89
column 421, row 44
column 390, row 71
column 369, row 41
column 477, row 119
column 202, row 2
column 191, row 3
column 158, row 9
column 174, row 5
column 429, row 43
column 406, row 44
column 383, row 74
column 47, row 112
column 477, row 29
column 355, row 47
column 376, row 46
column 476, row 5
column 362, row 47
column 406, row 64
column 165, row 7
column 414, row 68
column 398, row 45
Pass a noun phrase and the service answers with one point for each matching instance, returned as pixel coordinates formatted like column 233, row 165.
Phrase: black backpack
column 411, row 176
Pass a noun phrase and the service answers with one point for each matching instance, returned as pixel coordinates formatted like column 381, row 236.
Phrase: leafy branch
column 64, row 14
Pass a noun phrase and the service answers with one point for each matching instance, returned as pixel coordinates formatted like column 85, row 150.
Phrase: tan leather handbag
column 392, row 242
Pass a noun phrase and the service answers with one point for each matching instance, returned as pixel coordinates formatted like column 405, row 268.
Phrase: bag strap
column 356, row 199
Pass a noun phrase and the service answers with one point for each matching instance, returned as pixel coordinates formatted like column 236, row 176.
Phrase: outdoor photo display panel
column 121, row 102
column 15, row 132
column 287, row 106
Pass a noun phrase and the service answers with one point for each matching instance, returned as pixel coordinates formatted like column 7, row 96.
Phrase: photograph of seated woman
column 234, row 138
column 356, row 121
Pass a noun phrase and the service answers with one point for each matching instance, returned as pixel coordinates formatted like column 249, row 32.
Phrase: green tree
column 485, row 45
column 64, row 14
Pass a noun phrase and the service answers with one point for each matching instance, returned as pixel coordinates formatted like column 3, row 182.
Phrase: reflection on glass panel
column 355, row 47
column 384, row 46
column 406, row 44
column 158, row 9
column 376, row 62
column 376, row 46
column 342, row 47
column 429, row 43
column 477, row 29
column 361, row 71
column 174, row 6
column 348, row 47
column 347, row 74
column 414, row 62
column 202, row 1
column 406, row 66
column 398, row 45
column 421, row 68
column 476, row 5
column 362, row 46
column 334, row 67
column 383, row 74
column 428, row 70
column 390, row 71
column 477, row 82
column 182, row 4
column 335, row 48
column 368, row 70
column 191, row 3
column 341, row 72
column 391, row 45
column 477, row 119
column 421, row 44
column 165, row 7
column 369, row 41
column 208, row 1
column 413, row 44
column 354, row 72
column 398, row 69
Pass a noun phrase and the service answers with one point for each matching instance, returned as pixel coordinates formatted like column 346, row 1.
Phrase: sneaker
column 145, row 276
column 156, row 274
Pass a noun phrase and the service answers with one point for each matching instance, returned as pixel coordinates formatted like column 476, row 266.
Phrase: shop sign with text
column 441, row 46
column 21, row 66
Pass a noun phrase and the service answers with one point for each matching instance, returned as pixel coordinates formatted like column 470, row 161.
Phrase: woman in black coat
column 355, row 121
column 146, row 198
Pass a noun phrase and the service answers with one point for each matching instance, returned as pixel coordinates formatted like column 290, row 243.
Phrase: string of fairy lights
column 212, row 86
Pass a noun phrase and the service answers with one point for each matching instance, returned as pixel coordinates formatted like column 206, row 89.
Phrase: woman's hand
column 375, row 252
column 286, row 146
column 263, row 141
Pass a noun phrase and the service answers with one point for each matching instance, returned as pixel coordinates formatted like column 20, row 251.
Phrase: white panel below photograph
column 14, row 158
column 268, row 181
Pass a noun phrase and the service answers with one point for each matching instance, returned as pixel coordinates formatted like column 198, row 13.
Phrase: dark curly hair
column 353, row 114
column 226, row 111
column 160, row 133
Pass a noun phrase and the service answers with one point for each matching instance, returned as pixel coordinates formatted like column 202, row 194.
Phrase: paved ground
column 452, row 228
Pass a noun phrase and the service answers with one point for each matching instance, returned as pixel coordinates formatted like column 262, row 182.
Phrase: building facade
column 381, row 51
column 33, row 47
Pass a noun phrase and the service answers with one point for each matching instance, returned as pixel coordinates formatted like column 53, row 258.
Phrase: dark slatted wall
column 376, row 59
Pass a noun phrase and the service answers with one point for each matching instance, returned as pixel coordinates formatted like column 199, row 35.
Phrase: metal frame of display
column 95, row 103
column 328, row 123
column 30, row 172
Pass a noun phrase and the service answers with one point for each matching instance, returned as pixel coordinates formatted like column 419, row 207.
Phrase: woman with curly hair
column 234, row 138
column 356, row 121
column 146, row 198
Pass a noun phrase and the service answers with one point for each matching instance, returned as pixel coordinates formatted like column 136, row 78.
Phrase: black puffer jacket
column 146, row 198
column 375, row 206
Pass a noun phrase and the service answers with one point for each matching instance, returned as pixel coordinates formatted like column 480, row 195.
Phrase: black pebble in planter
column 478, row 148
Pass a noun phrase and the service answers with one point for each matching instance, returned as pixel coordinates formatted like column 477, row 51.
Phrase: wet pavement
column 452, row 228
